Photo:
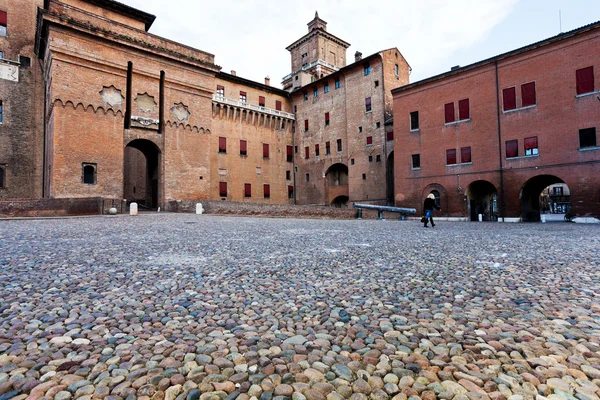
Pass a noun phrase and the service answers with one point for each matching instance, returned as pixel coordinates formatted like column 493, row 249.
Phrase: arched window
column 437, row 197
column 89, row 174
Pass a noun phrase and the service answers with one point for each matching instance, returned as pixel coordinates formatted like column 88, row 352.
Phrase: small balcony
column 236, row 103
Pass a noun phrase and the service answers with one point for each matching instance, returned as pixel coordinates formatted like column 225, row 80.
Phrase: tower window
column 88, row 173
column 3, row 18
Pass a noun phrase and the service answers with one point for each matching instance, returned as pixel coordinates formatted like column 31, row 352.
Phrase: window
column 326, row 87
column 463, row 110
column 587, row 138
column 416, row 161
column 396, row 69
column 326, row 119
column 376, row 83
column 337, row 83
column 307, row 177
column 414, row 120
column 1, row 113
column 378, row 158
column 509, row 99
column 24, row 61
column 450, row 157
column 243, row 148
column 317, row 150
column 367, row 69
column 364, row 176
column 290, row 192
column 288, row 175
column 369, row 140
column 352, row 161
column 222, row 145
column 339, row 145
column 360, row 129
column 370, row 158
column 267, row 191
column 528, row 94
column 557, row 191
column 278, row 105
column 290, row 153
column 247, row 190
column 1, row 54
column 261, row 101
column 449, row 112
column 585, row 80
column 377, row 125
column 296, row 149
column 220, row 91
column 2, row 176
column 390, row 136
column 305, row 125
column 305, row 96
column 3, row 25
column 316, row 93
column 368, row 104
column 512, row 148
column 307, row 152
column 88, row 173
column 243, row 97
column 531, row 146
column 223, row 189
column 295, row 108
column 265, row 150
column 327, row 147
column 465, row 154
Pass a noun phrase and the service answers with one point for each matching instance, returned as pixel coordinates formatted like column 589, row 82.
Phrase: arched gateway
column 142, row 173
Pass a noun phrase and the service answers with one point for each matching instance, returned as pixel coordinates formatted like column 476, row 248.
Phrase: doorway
column 142, row 174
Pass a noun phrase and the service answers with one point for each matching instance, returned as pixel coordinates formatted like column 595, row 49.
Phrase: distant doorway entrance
column 337, row 185
column 390, row 179
column 142, row 176
column 544, row 194
column 482, row 198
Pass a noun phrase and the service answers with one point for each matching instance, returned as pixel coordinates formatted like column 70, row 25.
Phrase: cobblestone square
column 184, row 306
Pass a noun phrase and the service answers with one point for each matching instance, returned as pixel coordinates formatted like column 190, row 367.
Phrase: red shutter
column 531, row 143
column 327, row 118
column 290, row 191
column 528, row 94
column 449, row 112
column 223, row 189
column 369, row 139
column 242, row 93
column 390, row 136
column 306, row 152
column 261, row 101
column 316, row 149
column 585, row 80
column 327, row 147
column 267, row 189
column 278, row 105
column 222, row 144
column 509, row 99
column 465, row 155
column 3, row 18
column 243, row 147
column 463, row 109
column 219, row 87
column 290, row 153
column 265, row 150
column 247, row 190
column 450, row 157
column 305, row 124
column 512, row 148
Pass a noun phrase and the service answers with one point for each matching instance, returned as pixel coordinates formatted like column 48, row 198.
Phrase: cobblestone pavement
column 184, row 306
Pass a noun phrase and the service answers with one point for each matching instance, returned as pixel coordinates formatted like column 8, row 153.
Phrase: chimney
column 455, row 68
column 267, row 81
column 357, row 56
column 233, row 72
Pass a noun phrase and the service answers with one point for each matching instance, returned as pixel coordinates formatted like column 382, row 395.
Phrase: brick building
column 488, row 138
column 344, row 133
column 21, row 102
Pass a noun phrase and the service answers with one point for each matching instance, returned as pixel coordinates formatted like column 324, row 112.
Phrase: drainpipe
column 45, row 132
column 501, row 205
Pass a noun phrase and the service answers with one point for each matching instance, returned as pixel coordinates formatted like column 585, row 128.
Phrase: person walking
column 428, row 206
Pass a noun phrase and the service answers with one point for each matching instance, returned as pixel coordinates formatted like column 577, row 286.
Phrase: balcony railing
column 266, row 110
column 309, row 66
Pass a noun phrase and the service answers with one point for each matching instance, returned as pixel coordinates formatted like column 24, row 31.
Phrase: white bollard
column 480, row 217
column 133, row 209
column 199, row 209
column 543, row 218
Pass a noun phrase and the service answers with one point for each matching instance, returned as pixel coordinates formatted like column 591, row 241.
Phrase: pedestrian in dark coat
column 428, row 206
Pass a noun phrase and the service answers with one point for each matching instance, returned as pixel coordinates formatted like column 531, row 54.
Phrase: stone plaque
column 181, row 112
column 9, row 72
column 112, row 96
column 145, row 102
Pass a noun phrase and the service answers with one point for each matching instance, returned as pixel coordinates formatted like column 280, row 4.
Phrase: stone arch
column 482, row 198
column 443, row 196
column 142, row 181
column 530, row 196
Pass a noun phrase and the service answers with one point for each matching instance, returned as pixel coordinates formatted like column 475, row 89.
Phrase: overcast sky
column 250, row 36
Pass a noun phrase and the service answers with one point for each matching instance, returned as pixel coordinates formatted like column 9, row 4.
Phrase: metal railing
column 238, row 103
column 309, row 66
